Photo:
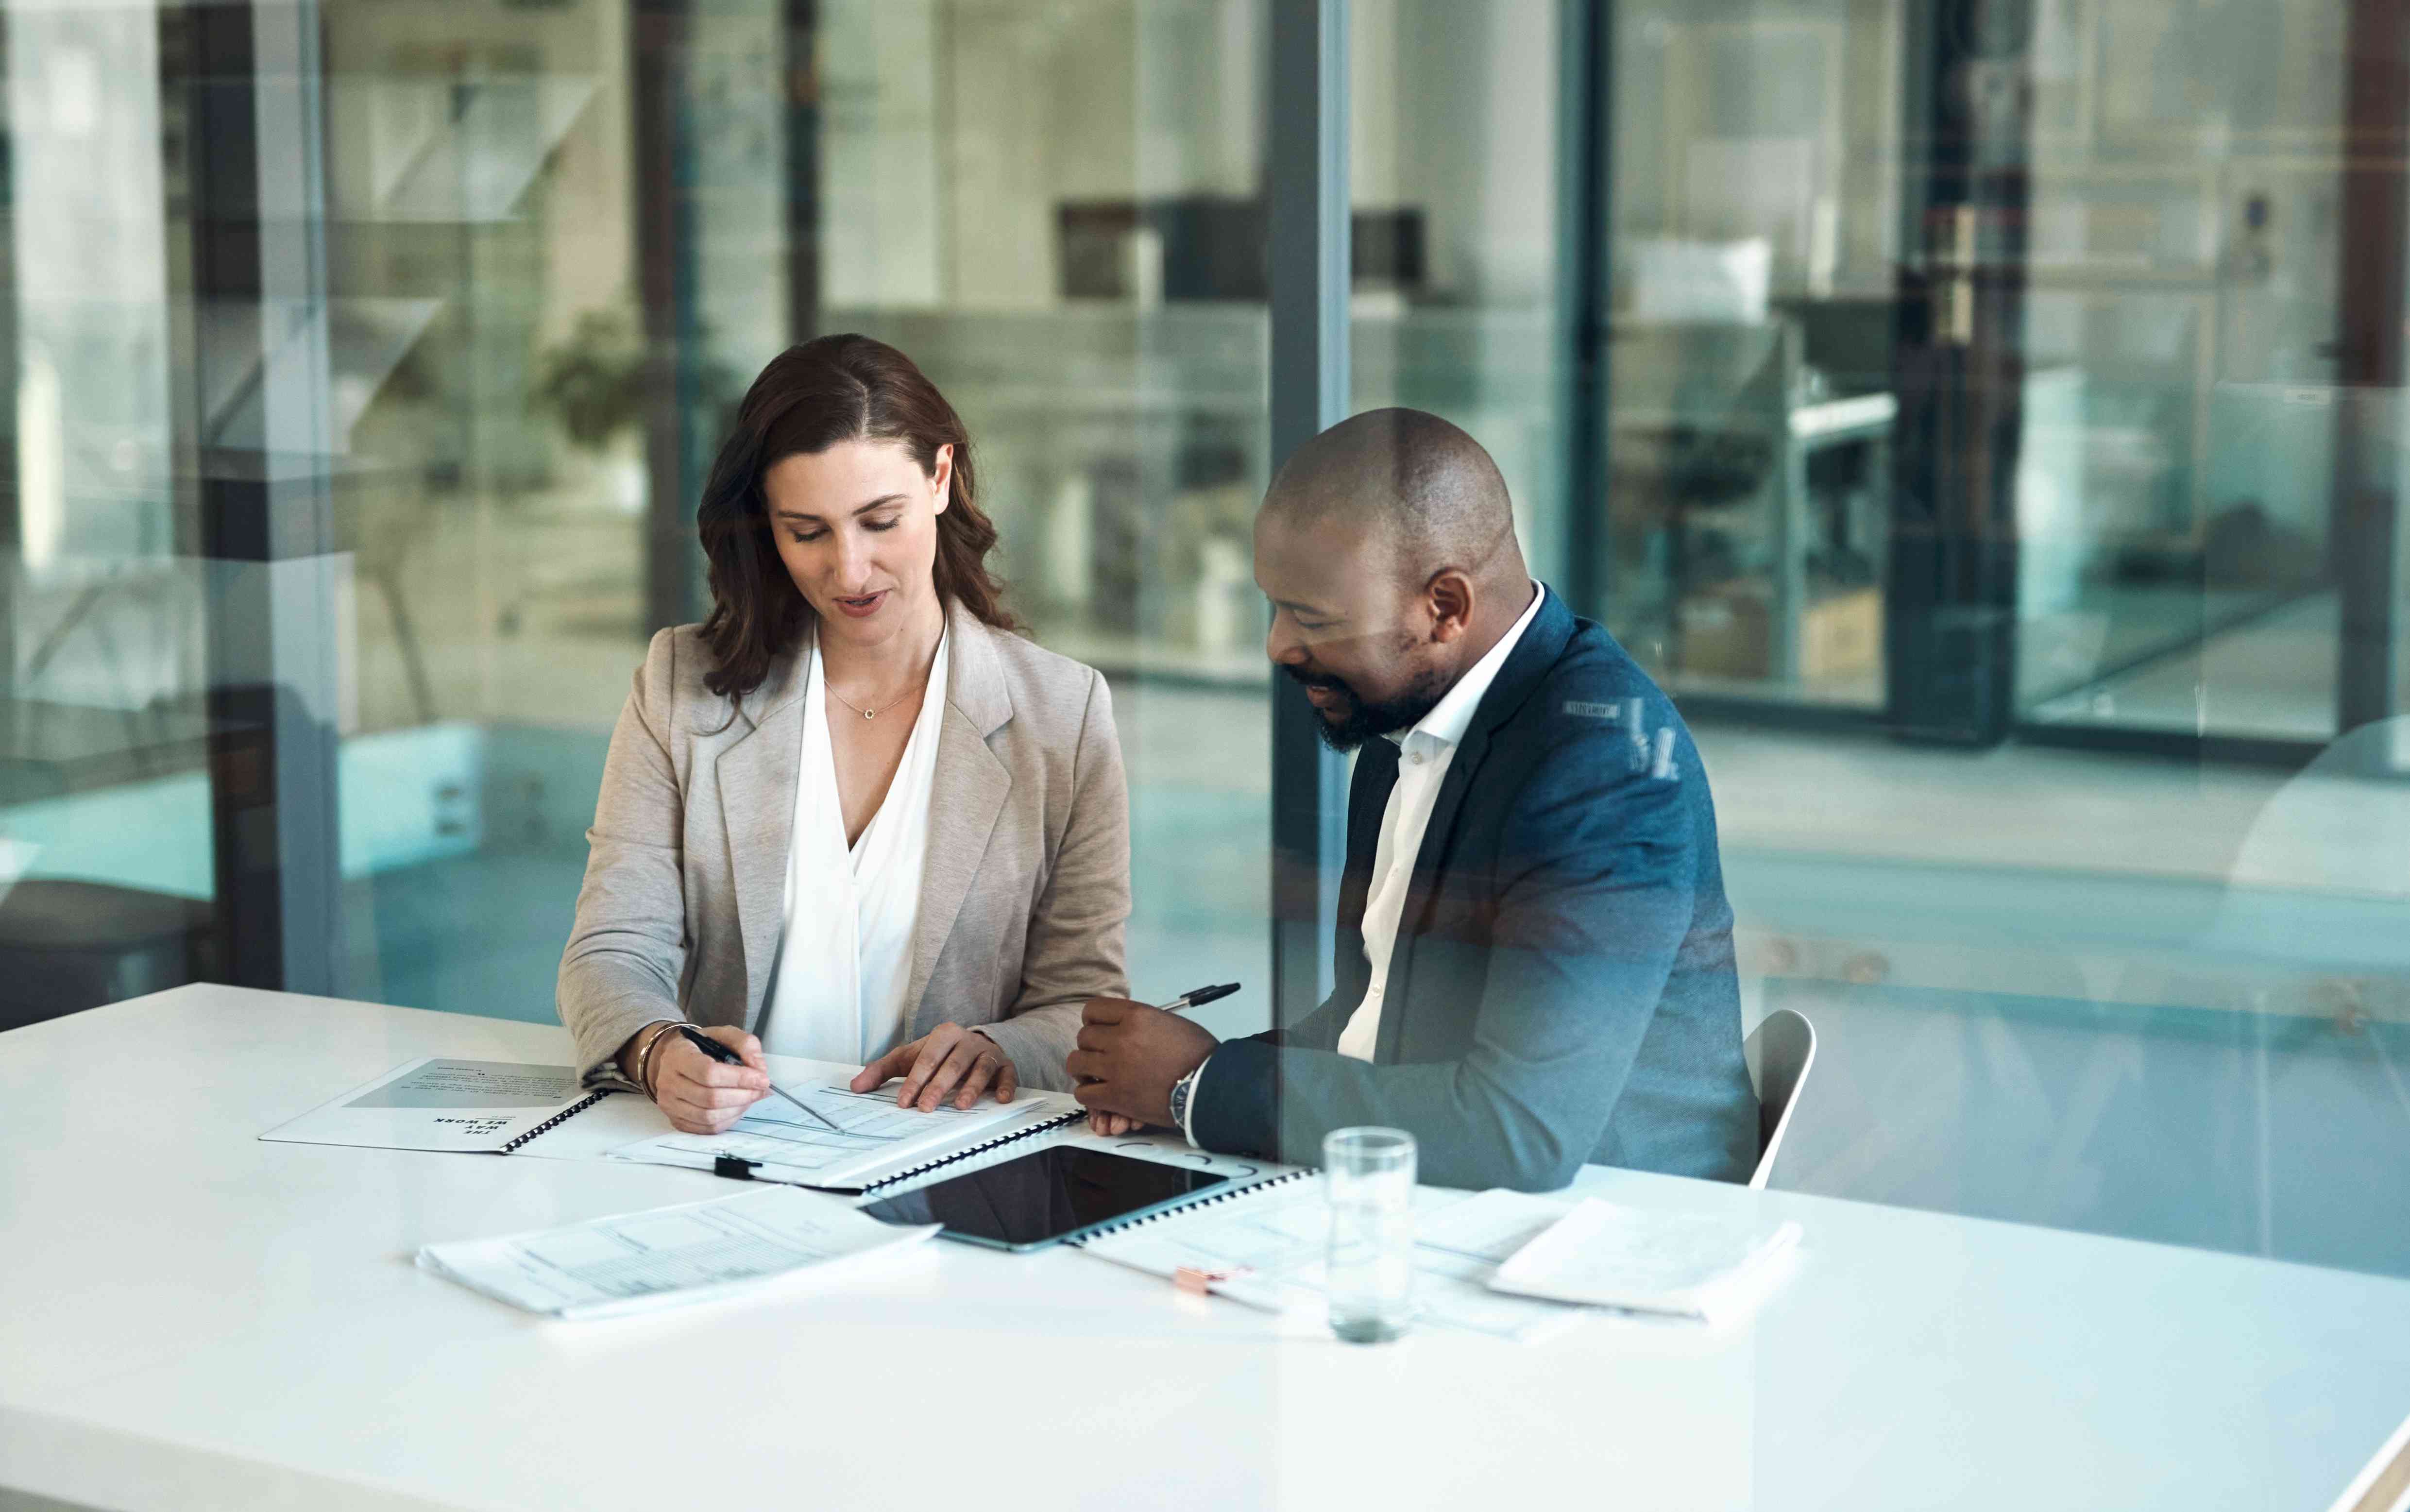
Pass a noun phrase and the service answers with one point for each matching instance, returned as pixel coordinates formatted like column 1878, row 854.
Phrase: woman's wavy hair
column 827, row 390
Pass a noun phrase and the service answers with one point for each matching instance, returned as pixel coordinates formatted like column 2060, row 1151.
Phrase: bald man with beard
column 1534, row 959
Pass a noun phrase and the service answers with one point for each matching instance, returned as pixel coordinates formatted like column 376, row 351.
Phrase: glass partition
column 1457, row 235
column 480, row 184
column 1982, row 416
column 1754, row 193
column 2000, row 465
column 106, row 844
column 592, row 305
column 2182, row 379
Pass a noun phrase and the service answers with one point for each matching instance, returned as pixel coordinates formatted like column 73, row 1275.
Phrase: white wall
column 1453, row 111
column 955, row 130
column 879, row 176
column 89, row 230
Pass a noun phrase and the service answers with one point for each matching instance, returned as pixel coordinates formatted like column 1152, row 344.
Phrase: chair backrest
column 1779, row 1051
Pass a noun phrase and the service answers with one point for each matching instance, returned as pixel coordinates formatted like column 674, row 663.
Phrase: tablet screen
column 1045, row 1195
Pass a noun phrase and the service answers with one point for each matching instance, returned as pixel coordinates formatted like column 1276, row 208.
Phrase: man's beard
column 1355, row 721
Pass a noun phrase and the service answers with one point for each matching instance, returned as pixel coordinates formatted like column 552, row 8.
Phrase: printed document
column 440, row 1103
column 641, row 1261
column 873, row 1140
column 1687, row 1264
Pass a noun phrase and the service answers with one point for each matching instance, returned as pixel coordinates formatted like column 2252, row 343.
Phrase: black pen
column 1198, row 998
column 728, row 1057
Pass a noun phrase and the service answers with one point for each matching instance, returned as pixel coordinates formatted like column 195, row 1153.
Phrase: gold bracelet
column 645, row 1053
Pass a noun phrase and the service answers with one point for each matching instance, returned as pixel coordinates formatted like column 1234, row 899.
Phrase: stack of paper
column 1687, row 1264
column 858, row 1139
column 1265, row 1247
column 639, row 1261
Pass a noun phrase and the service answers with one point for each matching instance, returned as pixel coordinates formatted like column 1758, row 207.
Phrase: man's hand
column 948, row 1060
column 1129, row 1054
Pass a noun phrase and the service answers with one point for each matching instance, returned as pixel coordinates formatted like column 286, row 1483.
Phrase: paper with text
column 669, row 1257
column 873, row 1140
column 1687, row 1264
column 440, row 1103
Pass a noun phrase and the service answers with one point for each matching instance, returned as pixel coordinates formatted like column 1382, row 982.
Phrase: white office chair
column 1779, row 1051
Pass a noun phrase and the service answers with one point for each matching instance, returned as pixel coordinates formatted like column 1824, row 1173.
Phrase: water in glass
column 1370, row 1176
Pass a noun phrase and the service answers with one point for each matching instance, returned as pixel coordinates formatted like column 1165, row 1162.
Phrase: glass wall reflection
column 105, row 848
column 1999, row 463
column 1053, row 247
column 1987, row 447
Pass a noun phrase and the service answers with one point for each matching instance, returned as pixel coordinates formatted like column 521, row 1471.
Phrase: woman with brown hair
column 851, row 815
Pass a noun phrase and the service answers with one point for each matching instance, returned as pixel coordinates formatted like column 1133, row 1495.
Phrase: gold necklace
column 870, row 714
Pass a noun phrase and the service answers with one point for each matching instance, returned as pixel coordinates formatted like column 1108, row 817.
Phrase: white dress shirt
column 845, row 957
column 1424, row 753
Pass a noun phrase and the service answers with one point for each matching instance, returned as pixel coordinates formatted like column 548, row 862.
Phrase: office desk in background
column 194, row 1319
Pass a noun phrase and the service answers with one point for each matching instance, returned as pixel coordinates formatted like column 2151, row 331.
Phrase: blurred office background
column 1981, row 414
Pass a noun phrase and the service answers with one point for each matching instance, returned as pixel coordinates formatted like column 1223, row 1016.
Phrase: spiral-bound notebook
column 510, row 1107
column 874, row 1143
column 493, row 1107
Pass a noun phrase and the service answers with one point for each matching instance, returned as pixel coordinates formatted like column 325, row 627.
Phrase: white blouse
column 844, row 958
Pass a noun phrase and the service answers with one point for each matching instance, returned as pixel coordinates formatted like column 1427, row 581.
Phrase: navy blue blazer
column 1561, row 990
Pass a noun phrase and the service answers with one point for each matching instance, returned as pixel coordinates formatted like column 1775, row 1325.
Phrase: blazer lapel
column 1368, row 803
column 757, row 775
column 965, row 799
column 1526, row 667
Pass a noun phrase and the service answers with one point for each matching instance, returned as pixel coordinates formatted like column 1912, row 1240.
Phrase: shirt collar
column 1453, row 714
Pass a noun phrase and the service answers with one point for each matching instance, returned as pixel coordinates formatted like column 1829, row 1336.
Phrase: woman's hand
column 703, row 1096
column 948, row 1059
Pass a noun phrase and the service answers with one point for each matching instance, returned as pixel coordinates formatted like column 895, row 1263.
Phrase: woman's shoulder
column 677, row 659
column 670, row 681
column 1046, row 687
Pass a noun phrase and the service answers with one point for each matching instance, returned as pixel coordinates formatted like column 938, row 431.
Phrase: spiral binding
column 1186, row 1207
column 983, row 1147
column 557, row 1120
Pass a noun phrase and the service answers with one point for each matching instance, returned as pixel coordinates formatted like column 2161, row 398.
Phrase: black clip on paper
column 735, row 1167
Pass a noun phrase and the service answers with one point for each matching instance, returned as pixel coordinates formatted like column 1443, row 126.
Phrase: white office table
column 192, row 1318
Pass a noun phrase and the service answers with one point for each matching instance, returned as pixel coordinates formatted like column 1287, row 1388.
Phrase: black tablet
column 1046, row 1196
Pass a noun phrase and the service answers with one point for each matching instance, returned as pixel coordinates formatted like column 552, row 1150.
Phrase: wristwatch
column 1179, row 1091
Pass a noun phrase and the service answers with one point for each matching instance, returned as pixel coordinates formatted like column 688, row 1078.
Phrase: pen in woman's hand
column 722, row 1053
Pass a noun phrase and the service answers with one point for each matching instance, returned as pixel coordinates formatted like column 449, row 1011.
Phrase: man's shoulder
column 1594, row 690
column 1593, row 736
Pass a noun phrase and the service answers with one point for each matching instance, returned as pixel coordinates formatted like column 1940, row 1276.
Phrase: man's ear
column 1448, row 598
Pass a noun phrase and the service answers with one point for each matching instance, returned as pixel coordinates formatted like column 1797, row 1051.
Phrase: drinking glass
column 1370, row 1176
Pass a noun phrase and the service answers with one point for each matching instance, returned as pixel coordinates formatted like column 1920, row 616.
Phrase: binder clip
column 736, row 1167
column 1197, row 1280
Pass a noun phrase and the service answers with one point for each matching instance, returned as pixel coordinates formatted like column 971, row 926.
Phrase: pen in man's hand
column 728, row 1057
column 1198, row 998
column 1193, row 997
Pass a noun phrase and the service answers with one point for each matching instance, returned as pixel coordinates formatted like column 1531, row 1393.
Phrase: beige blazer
column 1024, row 896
